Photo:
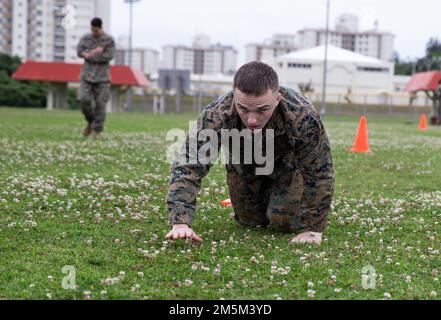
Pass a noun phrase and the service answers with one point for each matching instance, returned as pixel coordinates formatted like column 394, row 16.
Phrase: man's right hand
column 182, row 231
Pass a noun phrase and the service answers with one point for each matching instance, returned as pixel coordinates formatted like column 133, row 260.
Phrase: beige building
column 48, row 30
column 144, row 59
column 201, row 58
column 270, row 49
column 372, row 43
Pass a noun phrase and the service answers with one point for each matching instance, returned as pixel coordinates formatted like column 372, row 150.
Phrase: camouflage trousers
column 100, row 93
column 268, row 202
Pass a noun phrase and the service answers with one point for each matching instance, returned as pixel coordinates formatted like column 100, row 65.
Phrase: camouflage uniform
column 295, row 197
column 95, row 78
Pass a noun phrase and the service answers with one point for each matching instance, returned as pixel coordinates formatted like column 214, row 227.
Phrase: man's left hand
column 98, row 50
column 307, row 237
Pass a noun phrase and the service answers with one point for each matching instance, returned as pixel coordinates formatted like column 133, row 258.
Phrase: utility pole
column 129, row 90
column 325, row 65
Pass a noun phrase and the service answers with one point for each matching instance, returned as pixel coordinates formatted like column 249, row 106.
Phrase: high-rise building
column 144, row 59
column 201, row 58
column 267, row 51
column 48, row 30
column 346, row 35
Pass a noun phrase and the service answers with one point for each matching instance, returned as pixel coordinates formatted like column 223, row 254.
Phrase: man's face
column 255, row 112
column 96, row 32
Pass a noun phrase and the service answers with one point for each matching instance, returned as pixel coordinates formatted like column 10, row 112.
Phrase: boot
column 87, row 131
column 94, row 134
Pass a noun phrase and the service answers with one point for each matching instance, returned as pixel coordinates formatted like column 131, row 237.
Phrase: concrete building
column 267, row 51
column 48, row 30
column 349, row 74
column 346, row 35
column 201, row 58
column 144, row 59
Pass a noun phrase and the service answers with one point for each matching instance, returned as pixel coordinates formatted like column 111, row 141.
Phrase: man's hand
column 307, row 237
column 87, row 54
column 182, row 231
column 97, row 50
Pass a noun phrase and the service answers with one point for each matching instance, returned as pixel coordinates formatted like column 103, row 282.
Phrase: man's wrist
column 180, row 225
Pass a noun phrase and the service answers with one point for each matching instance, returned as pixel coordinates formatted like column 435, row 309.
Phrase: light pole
column 325, row 65
column 129, row 90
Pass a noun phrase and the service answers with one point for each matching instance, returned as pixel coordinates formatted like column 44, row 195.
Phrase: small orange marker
column 423, row 122
column 361, row 141
column 226, row 203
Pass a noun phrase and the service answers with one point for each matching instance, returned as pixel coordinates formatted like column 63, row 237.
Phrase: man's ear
column 279, row 97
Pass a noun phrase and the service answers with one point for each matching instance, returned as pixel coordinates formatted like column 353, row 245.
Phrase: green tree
column 19, row 93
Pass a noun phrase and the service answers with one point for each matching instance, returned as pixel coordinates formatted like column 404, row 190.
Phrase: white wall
column 342, row 77
column 230, row 61
column 20, row 28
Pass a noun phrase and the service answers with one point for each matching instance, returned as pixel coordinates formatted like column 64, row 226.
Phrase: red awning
column 70, row 72
column 424, row 81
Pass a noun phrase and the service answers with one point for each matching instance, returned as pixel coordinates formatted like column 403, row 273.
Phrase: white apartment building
column 201, row 58
column 144, row 59
column 48, row 30
column 270, row 49
column 346, row 35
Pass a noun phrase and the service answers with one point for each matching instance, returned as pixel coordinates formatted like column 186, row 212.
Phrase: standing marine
column 97, row 49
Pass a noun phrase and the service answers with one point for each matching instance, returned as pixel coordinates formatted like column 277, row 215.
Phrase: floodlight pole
column 325, row 65
column 130, row 50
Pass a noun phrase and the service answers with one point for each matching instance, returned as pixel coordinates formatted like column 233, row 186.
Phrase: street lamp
column 325, row 66
column 129, row 90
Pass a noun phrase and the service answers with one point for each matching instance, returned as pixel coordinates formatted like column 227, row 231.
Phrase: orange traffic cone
column 423, row 122
column 361, row 141
column 226, row 203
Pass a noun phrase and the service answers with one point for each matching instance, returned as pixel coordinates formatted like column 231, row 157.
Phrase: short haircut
column 96, row 22
column 255, row 78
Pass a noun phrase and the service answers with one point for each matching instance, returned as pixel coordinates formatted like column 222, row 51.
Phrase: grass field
column 99, row 206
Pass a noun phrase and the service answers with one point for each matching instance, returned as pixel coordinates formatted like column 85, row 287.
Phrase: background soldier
column 296, row 196
column 97, row 48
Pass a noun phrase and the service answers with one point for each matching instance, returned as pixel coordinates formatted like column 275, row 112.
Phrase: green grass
column 100, row 206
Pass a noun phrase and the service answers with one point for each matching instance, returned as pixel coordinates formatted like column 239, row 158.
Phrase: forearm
column 101, row 58
column 318, row 177
column 316, row 200
column 185, row 183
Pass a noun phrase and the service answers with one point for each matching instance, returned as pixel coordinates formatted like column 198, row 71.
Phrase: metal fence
column 380, row 105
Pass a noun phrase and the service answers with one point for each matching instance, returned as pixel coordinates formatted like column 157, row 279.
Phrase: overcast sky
column 238, row 22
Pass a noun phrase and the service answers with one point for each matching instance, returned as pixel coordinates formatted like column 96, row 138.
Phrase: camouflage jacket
column 300, row 143
column 97, row 68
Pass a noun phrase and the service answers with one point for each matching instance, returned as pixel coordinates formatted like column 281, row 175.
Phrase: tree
column 432, row 60
column 405, row 68
column 19, row 93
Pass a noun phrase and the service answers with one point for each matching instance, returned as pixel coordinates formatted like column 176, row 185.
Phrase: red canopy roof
column 70, row 72
column 424, row 81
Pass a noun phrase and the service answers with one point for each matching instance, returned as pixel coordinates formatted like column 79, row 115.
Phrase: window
column 299, row 65
column 372, row 69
